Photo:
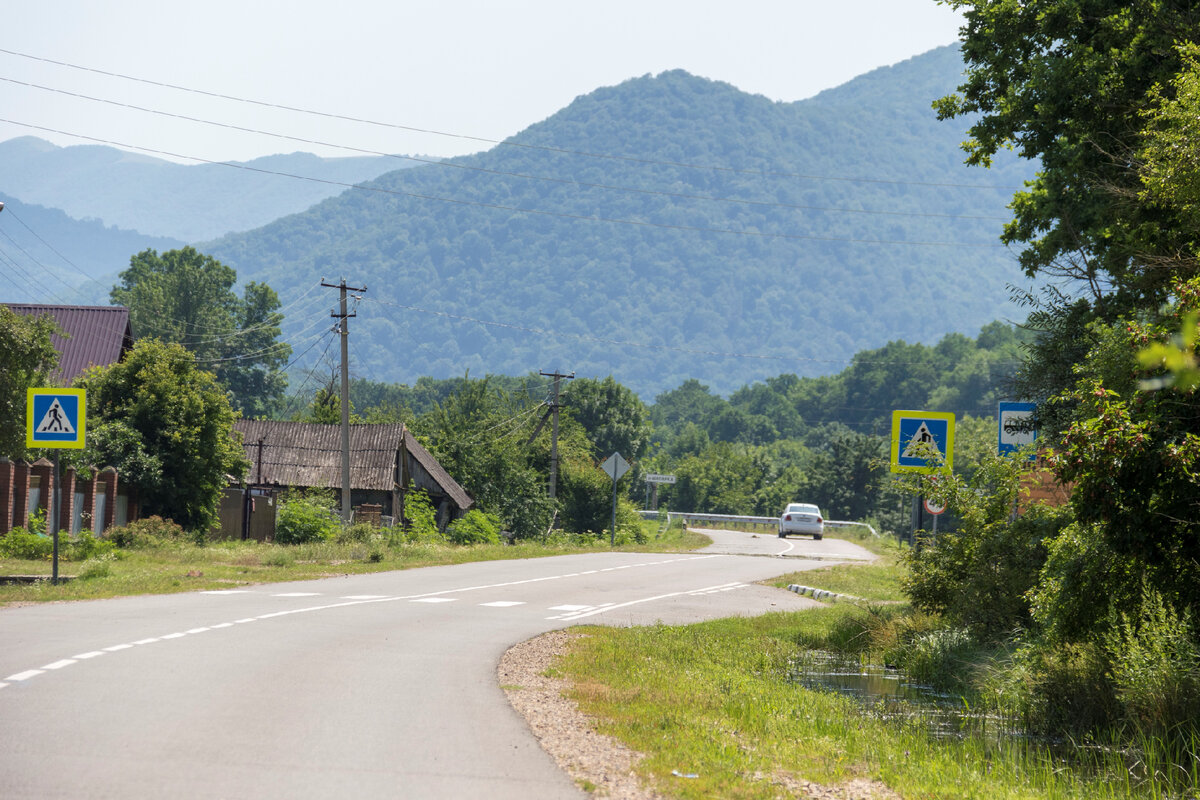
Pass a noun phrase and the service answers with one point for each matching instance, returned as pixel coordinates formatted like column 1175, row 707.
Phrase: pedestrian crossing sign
column 55, row 418
column 922, row 441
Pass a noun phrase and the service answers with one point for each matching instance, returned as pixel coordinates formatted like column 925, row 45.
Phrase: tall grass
column 714, row 700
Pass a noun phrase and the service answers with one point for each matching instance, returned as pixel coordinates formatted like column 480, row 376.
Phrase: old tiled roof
column 309, row 455
column 95, row 336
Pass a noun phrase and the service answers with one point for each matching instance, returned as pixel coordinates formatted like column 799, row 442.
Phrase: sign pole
column 614, row 466
column 612, row 534
column 55, row 499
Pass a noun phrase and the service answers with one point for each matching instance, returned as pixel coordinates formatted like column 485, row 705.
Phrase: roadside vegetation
column 719, row 709
column 154, row 556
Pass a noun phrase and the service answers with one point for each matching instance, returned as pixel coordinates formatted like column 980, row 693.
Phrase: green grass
column 715, row 700
column 183, row 567
column 712, row 699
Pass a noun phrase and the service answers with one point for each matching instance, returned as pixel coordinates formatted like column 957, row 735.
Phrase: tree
column 615, row 419
column 168, row 428
column 26, row 358
column 1069, row 82
column 478, row 436
column 186, row 297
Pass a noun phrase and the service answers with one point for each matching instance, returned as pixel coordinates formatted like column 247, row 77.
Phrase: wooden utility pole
column 344, row 331
column 554, row 406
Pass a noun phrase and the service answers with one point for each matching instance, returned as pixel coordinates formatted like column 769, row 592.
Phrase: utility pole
column 344, row 330
column 554, row 406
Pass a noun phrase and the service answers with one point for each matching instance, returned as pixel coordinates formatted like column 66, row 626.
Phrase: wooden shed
column 386, row 460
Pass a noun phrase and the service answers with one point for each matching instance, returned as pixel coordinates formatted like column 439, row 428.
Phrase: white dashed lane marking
column 569, row 611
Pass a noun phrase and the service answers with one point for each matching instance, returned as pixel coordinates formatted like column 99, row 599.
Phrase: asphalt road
column 367, row 686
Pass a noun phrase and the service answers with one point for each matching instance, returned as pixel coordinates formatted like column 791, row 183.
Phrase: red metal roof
column 95, row 336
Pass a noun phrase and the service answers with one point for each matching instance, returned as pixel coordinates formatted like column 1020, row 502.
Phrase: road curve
column 366, row 686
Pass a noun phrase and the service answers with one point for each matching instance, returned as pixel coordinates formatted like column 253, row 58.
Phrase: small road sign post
column 652, row 481
column 1016, row 427
column 614, row 466
column 55, row 418
column 922, row 442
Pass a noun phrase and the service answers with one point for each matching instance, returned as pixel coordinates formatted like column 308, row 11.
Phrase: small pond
column 885, row 693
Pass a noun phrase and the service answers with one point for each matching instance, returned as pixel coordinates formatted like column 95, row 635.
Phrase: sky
column 470, row 72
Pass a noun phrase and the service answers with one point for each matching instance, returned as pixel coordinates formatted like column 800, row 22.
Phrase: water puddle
column 886, row 694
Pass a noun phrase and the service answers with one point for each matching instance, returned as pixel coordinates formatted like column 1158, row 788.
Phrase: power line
column 505, row 173
column 505, row 142
column 514, row 209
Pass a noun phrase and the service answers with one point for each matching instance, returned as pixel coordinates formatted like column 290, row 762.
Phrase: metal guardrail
column 748, row 520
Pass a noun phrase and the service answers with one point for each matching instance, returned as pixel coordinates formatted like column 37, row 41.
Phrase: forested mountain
column 188, row 202
column 667, row 228
column 52, row 258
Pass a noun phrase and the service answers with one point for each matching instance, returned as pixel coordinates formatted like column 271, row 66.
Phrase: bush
column 148, row 532
column 357, row 532
column 306, row 517
column 420, row 517
column 1155, row 666
column 98, row 567
column 1056, row 688
column 477, row 527
column 980, row 576
column 22, row 544
column 86, row 546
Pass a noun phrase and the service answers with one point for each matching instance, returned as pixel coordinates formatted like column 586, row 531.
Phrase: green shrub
column 98, row 567
column 306, row 517
column 1155, row 666
column 357, row 532
column 1057, row 688
column 420, row 517
column 477, row 527
column 278, row 557
column 148, row 532
column 940, row 658
column 86, row 546
column 22, row 544
column 980, row 576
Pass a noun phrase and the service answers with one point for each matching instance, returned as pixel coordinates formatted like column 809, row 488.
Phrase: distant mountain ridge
column 52, row 258
column 186, row 202
column 678, row 228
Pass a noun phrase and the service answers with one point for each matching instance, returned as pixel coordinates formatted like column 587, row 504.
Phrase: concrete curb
column 820, row 594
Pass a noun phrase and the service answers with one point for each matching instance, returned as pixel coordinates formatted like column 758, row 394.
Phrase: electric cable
column 504, row 142
column 514, row 209
column 505, row 173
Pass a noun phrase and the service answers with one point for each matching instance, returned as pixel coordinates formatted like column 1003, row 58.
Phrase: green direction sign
column 915, row 434
column 55, row 418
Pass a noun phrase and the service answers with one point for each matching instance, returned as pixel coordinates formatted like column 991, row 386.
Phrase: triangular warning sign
column 55, row 420
column 922, row 436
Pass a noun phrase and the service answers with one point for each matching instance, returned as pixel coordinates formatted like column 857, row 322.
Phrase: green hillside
column 49, row 257
column 757, row 262
column 187, row 202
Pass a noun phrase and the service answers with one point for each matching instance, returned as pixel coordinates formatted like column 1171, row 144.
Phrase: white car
column 802, row 518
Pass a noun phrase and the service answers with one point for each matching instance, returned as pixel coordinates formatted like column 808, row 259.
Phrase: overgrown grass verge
column 714, row 700
column 161, row 566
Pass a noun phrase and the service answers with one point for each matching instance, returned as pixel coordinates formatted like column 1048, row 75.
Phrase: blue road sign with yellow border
column 914, row 433
column 55, row 418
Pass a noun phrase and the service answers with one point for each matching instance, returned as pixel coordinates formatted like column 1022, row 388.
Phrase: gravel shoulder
column 600, row 764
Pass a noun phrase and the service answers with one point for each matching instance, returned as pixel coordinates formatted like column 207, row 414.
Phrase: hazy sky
column 466, row 67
